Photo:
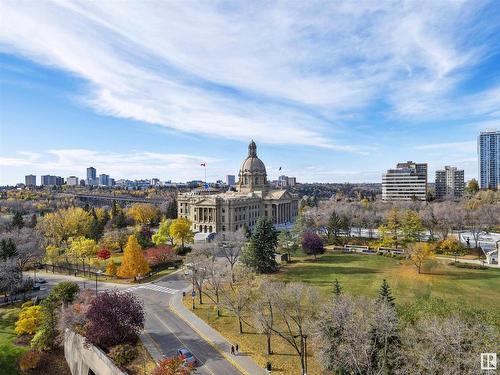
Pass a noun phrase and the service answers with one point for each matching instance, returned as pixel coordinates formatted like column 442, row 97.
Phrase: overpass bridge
column 109, row 199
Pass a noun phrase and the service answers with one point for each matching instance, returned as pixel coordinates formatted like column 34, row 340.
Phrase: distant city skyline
column 332, row 92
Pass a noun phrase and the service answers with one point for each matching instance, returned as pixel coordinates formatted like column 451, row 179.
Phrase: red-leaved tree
column 114, row 318
column 160, row 254
column 173, row 366
column 312, row 244
column 103, row 253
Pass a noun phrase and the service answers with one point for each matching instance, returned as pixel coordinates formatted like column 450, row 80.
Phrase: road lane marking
column 177, row 337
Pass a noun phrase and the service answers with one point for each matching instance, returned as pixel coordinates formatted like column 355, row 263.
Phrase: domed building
column 232, row 210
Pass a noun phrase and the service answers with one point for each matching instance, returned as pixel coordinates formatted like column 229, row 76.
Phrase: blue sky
column 330, row 91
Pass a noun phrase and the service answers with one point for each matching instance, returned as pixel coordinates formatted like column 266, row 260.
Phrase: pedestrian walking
column 237, row 347
column 232, row 349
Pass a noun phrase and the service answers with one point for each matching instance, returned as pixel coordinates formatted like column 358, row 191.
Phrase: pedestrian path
column 243, row 362
column 154, row 287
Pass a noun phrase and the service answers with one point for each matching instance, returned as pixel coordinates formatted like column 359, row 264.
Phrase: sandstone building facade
column 232, row 210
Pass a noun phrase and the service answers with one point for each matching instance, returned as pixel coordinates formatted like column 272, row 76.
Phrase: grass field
column 8, row 351
column 362, row 275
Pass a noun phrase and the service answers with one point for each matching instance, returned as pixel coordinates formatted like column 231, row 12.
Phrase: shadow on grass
column 321, row 272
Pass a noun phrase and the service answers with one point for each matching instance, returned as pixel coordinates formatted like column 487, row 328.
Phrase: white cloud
column 131, row 165
column 468, row 146
column 281, row 73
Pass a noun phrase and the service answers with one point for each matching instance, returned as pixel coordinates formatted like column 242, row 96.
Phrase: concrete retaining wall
column 81, row 359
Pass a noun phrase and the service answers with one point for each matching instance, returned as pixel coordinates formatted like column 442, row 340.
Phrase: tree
column 52, row 253
column 263, row 311
column 230, row 245
column 355, row 335
column 17, row 220
column 45, row 337
column 173, row 366
column 286, row 243
column 143, row 213
column 133, row 264
column 385, row 293
column 7, row 248
column 337, row 288
column 65, row 291
column 82, row 249
column 259, row 255
column 472, row 186
column 390, row 231
column 160, row 255
column 114, row 318
column 115, row 240
column 111, row 268
column 452, row 246
column 163, row 236
column 144, row 234
column 294, row 306
column 411, row 227
column 171, row 212
column 63, row 224
column 180, row 230
column 103, row 253
column 28, row 321
column 236, row 297
column 419, row 253
column 312, row 244
column 445, row 346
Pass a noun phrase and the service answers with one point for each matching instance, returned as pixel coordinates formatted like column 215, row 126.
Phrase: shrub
column 159, row 255
column 469, row 266
column 103, row 253
column 26, row 304
column 29, row 320
column 114, row 318
column 123, row 354
column 30, row 360
column 171, row 366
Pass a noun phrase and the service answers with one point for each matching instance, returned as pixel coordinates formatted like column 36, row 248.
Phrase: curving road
column 164, row 331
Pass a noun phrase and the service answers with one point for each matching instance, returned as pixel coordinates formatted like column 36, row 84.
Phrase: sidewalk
column 469, row 261
column 243, row 362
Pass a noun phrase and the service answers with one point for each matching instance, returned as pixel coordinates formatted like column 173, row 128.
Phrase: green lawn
column 362, row 275
column 8, row 351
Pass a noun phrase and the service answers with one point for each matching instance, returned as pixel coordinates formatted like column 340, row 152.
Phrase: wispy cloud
column 132, row 164
column 282, row 73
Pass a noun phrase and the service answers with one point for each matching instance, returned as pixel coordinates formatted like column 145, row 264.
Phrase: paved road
column 166, row 330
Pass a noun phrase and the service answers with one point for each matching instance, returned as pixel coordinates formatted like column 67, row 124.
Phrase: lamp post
column 97, row 273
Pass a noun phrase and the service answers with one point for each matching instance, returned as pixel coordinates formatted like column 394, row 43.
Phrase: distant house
column 492, row 256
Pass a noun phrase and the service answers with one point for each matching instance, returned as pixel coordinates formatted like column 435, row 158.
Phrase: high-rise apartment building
column 408, row 181
column 488, row 147
column 72, row 181
column 450, row 183
column 230, row 180
column 104, row 180
column 91, row 176
column 49, row 180
column 30, row 180
column 292, row 181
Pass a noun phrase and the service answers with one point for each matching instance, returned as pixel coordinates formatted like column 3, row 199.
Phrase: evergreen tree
column 17, row 220
column 385, row 293
column 33, row 221
column 96, row 229
column 171, row 212
column 7, row 248
column 337, row 288
column 86, row 207
column 259, row 255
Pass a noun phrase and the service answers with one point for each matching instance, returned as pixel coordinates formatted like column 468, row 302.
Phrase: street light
column 97, row 273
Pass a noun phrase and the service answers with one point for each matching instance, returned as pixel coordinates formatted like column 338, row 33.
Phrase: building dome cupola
column 253, row 175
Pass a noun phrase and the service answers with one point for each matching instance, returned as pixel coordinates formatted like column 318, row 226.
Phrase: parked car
column 39, row 280
column 188, row 357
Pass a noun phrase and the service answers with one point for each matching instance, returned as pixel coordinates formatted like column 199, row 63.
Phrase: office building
column 103, row 180
column 230, row 180
column 30, row 180
column 488, row 146
column 49, row 180
column 72, row 181
column 91, row 176
column 408, row 181
column 450, row 183
column 212, row 212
